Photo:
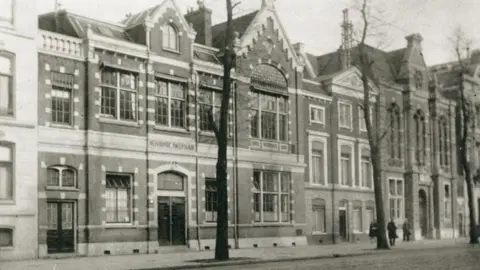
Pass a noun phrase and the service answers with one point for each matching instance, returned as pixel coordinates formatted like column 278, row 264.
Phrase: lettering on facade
column 173, row 145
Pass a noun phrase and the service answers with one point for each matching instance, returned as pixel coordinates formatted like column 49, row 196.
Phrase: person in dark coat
column 406, row 231
column 392, row 232
column 372, row 233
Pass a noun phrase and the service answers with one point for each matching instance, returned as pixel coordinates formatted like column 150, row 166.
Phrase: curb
column 261, row 261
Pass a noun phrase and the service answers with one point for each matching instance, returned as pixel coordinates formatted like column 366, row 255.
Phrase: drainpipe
column 235, row 168
column 147, row 151
column 87, row 127
column 332, row 158
column 197, row 169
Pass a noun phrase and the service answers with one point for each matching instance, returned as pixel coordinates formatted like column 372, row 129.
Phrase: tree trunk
column 471, row 204
column 382, row 242
column 221, row 243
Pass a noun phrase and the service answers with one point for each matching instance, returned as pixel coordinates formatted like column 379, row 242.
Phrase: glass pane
column 111, row 204
column 128, row 80
column 161, row 89
column 161, row 111
column 67, row 216
column 282, row 105
column 53, row 177
column 399, row 208
column 177, row 113
column 5, row 63
column 52, row 218
column 5, row 95
column 254, row 102
column 270, row 181
column 5, row 153
column 285, row 206
column 205, row 96
column 256, row 206
column 109, row 77
column 68, row 178
column 392, row 208
column 6, row 190
column 400, row 188
column 170, row 181
column 270, row 208
column 285, row 182
column 269, row 125
column 392, row 187
column 256, row 180
column 123, row 205
column 254, row 123
column 177, row 90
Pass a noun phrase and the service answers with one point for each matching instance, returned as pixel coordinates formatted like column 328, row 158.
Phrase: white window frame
column 5, row 21
column 362, row 126
column 361, row 225
column 118, row 89
column 60, row 169
column 279, row 193
column 167, row 34
column 397, row 197
column 130, row 201
column 363, row 146
column 323, row 138
column 351, row 144
column 314, row 218
column 317, row 108
column 278, row 113
column 339, row 111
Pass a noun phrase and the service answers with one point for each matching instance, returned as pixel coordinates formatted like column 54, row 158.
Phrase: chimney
column 202, row 23
column 414, row 40
column 475, row 57
column 299, row 48
column 346, row 48
column 268, row 4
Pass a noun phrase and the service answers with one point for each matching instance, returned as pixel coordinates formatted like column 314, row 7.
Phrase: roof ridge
column 120, row 25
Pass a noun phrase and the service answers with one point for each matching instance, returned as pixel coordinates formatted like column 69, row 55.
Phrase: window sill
column 171, row 129
column 319, row 233
column 119, row 226
column 53, row 188
column 7, row 202
column 345, row 127
column 316, row 123
column 118, row 122
column 272, row 224
column 207, row 133
column 171, row 50
column 7, row 248
column 64, row 126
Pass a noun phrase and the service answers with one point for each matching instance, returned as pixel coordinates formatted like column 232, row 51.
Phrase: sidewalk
column 185, row 260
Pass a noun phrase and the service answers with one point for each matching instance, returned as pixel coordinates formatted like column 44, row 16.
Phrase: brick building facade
column 18, row 139
column 127, row 155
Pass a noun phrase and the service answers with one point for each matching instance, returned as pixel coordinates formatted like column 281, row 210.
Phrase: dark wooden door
column 423, row 214
column 171, row 221
column 60, row 233
column 343, row 224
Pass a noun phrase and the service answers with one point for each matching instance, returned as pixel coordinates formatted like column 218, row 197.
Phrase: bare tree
column 461, row 44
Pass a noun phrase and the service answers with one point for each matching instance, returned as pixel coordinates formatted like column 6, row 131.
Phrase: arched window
column 318, row 216
column 170, row 38
column 420, row 137
column 6, row 171
column 61, row 176
column 443, row 141
column 395, row 150
column 169, row 181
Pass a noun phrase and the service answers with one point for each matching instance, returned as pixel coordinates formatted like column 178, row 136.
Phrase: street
column 446, row 258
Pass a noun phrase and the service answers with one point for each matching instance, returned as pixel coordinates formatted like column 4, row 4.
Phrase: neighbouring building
column 18, row 133
column 448, row 77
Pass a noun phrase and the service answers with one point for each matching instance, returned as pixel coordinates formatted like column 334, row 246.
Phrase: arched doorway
column 343, row 220
column 171, row 209
column 423, row 212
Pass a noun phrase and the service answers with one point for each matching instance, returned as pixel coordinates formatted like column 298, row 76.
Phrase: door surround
column 74, row 225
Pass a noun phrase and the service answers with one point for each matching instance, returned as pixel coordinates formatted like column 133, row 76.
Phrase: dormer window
column 170, row 38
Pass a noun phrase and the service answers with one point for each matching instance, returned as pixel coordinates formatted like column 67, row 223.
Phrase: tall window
column 61, row 105
column 271, row 196
column 369, row 213
column 448, row 202
column 395, row 131
column 6, row 10
column 344, row 115
column 119, row 94
column 366, row 169
column 210, row 103
column 363, row 121
column 61, row 176
column 317, row 114
column 6, row 84
column 318, row 216
column 118, row 198
column 420, row 137
column 346, row 172
column 443, row 141
column 269, row 116
column 210, row 200
column 396, row 198
column 6, row 172
column 170, row 108
column 357, row 216
column 6, row 237
column 170, row 38
column 318, row 163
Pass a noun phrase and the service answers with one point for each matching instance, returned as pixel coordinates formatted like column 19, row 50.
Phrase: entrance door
column 423, row 214
column 343, row 224
column 171, row 221
column 460, row 225
column 60, row 233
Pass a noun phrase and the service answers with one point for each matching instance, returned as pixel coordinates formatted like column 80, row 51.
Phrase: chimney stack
column 346, row 48
column 414, row 40
column 201, row 19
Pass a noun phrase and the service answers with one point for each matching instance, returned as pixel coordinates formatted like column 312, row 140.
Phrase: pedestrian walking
column 392, row 232
column 372, row 232
column 406, row 231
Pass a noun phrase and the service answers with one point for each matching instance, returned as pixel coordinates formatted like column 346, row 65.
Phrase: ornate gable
column 349, row 83
column 160, row 10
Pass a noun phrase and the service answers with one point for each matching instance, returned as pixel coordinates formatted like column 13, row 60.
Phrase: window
column 6, row 11
column 420, row 137
column 396, row 198
column 362, row 120
column 357, row 217
column 448, row 202
column 366, row 179
column 6, row 172
column 317, row 114
column 6, row 85
column 269, row 117
column 170, row 38
column 61, row 105
column 60, row 176
column 271, row 196
column 119, row 95
column 318, row 216
column 369, row 213
column 210, row 200
column 318, row 162
column 395, row 135
column 418, row 76
column 443, row 142
column 210, row 103
column 170, row 104
column 344, row 115
column 170, row 181
column 118, row 198
column 346, row 169
column 6, row 237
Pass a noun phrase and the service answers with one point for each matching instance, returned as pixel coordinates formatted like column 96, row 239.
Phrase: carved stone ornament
column 268, row 45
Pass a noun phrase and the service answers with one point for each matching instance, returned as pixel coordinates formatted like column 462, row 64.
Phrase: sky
column 316, row 23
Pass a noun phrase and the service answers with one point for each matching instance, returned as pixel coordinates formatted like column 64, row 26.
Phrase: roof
column 135, row 19
column 240, row 25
